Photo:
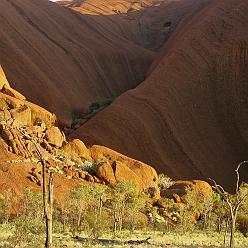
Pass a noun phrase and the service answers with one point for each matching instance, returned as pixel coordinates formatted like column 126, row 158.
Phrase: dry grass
column 194, row 239
column 167, row 240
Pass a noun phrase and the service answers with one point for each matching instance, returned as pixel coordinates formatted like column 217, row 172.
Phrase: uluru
column 123, row 115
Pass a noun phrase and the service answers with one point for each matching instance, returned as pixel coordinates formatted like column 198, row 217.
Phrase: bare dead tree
column 233, row 201
column 47, row 193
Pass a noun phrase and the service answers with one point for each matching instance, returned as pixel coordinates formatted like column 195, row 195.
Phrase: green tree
column 126, row 203
column 76, row 206
column 7, row 201
column 29, row 226
column 199, row 203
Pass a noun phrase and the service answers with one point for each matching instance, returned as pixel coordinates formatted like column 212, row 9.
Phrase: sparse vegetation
column 92, row 110
column 121, row 213
column 96, row 107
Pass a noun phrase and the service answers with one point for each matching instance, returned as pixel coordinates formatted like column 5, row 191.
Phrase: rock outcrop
column 3, row 79
column 177, row 191
column 189, row 117
column 124, row 168
column 66, row 58
column 55, row 137
column 76, row 150
column 28, row 132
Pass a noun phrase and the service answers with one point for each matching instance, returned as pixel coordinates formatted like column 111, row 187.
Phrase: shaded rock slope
column 63, row 59
column 189, row 117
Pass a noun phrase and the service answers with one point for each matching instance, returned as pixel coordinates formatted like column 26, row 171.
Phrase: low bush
column 242, row 221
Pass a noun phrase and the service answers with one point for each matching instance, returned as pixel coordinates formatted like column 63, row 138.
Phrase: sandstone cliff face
column 63, row 58
column 189, row 117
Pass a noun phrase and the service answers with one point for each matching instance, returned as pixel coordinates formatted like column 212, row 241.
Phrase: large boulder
column 3, row 79
column 106, row 173
column 21, row 116
column 77, row 151
column 6, row 89
column 144, row 174
column 177, row 191
column 54, row 137
column 41, row 115
column 123, row 173
column 9, row 102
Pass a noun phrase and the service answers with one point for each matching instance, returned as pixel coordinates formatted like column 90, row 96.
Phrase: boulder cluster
column 30, row 132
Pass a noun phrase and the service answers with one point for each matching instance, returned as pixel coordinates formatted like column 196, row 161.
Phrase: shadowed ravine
column 74, row 59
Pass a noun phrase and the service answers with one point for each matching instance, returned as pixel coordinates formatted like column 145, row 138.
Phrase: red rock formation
column 189, row 117
column 23, row 139
column 64, row 60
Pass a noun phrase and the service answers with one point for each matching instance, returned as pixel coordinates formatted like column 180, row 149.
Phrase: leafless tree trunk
column 47, row 191
column 234, row 202
column 225, row 232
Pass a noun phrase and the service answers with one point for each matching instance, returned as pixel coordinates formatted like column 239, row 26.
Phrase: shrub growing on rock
column 164, row 182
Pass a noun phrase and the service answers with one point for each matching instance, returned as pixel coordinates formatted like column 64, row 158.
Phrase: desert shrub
column 164, row 182
column 96, row 107
column 242, row 221
column 7, row 201
column 97, row 215
column 74, row 207
column 197, row 206
column 89, row 166
column 29, row 226
column 198, row 203
column 219, row 214
column 97, row 223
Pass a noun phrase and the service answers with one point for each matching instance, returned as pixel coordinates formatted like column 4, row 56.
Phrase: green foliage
column 7, row 201
column 198, row 202
column 92, row 110
column 96, row 209
column 242, row 221
column 29, row 225
column 96, row 107
column 83, row 210
column 126, row 203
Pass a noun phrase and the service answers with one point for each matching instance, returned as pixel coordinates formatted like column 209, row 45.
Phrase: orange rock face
column 76, row 150
column 54, row 137
column 125, row 168
column 178, row 190
column 21, row 116
column 106, row 173
column 3, row 79
column 11, row 92
column 28, row 132
column 71, row 58
column 189, row 117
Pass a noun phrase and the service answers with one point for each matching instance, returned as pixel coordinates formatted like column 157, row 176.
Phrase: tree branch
column 237, row 173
